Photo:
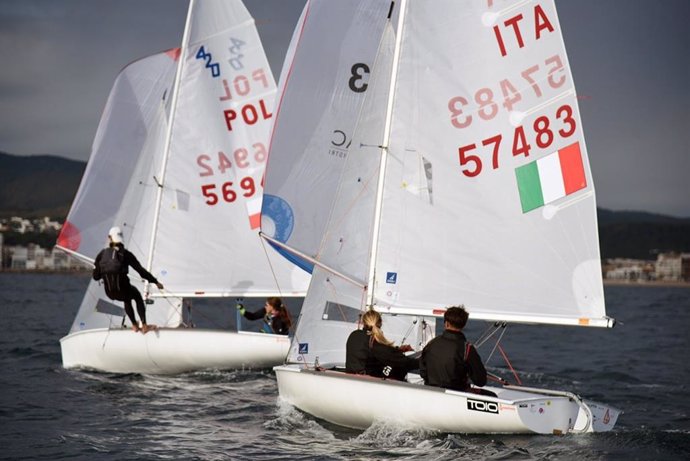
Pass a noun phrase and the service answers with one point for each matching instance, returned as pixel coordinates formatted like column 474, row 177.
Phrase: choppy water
column 46, row 412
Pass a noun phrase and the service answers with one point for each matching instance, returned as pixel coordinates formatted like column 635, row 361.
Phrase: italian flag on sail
column 551, row 177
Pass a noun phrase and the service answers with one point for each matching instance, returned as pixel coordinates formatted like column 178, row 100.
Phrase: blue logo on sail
column 303, row 348
column 391, row 277
column 279, row 211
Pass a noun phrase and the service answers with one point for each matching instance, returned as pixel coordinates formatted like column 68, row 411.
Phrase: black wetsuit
column 272, row 324
column 443, row 363
column 113, row 272
column 366, row 356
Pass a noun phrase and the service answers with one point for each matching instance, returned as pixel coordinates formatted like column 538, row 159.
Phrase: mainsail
column 453, row 224
column 435, row 203
column 178, row 163
column 467, row 182
column 207, row 232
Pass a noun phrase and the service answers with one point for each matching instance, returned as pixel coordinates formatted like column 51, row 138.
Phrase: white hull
column 357, row 401
column 171, row 350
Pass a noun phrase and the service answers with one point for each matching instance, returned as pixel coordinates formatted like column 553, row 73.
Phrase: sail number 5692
column 227, row 191
column 544, row 135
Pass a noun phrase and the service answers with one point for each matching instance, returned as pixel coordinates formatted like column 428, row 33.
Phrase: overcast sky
column 630, row 60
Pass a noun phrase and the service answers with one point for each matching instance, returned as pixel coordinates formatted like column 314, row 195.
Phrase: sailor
column 369, row 352
column 112, row 265
column 274, row 313
column 449, row 361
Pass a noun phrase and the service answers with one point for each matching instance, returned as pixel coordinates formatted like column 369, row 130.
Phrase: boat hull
column 171, row 350
column 358, row 401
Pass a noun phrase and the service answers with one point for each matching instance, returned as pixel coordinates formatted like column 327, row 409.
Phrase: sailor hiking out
column 112, row 265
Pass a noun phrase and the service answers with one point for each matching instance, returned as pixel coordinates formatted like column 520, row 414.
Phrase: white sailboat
column 466, row 181
column 177, row 163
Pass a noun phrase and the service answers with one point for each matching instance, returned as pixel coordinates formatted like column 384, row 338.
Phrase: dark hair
column 456, row 316
column 280, row 308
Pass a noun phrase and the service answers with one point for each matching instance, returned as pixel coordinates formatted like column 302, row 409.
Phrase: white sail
column 467, row 182
column 207, row 234
column 453, row 226
column 178, row 163
column 119, row 186
column 123, row 157
column 323, row 83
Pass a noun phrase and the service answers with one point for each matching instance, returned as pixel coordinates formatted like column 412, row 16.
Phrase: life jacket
column 112, row 261
column 114, row 272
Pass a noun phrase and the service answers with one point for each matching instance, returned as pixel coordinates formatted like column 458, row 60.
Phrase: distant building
column 673, row 266
column 47, row 225
column 20, row 225
column 33, row 257
column 19, row 256
column 629, row 269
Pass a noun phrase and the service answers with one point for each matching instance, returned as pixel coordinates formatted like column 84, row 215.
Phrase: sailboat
column 463, row 179
column 177, row 163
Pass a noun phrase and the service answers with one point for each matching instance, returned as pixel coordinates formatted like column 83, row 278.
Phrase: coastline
column 647, row 283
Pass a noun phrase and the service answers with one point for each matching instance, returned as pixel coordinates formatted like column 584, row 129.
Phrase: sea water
column 49, row 413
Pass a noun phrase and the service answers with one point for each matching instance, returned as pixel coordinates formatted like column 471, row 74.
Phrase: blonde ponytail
column 372, row 323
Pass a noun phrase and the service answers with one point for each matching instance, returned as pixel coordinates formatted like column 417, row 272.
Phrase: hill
column 640, row 235
column 45, row 185
column 39, row 185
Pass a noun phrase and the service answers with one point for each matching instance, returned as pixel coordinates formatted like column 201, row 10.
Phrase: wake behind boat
column 177, row 162
column 452, row 169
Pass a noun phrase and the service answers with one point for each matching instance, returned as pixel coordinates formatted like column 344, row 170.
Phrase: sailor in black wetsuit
column 275, row 314
column 112, row 265
column 369, row 352
column 449, row 361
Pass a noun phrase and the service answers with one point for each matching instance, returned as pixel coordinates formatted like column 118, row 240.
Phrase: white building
column 673, row 266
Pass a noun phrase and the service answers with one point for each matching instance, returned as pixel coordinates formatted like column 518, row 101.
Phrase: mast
column 384, row 150
column 168, row 136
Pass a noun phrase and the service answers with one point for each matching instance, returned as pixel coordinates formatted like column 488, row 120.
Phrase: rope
column 505, row 357
column 497, row 341
column 275, row 278
column 488, row 333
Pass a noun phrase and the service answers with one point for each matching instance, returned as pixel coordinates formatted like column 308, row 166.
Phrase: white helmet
column 115, row 234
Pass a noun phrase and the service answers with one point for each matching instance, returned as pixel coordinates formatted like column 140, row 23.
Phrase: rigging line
column 270, row 265
column 488, row 333
column 409, row 330
column 179, row 310
column 498, row 341
column 505, row 357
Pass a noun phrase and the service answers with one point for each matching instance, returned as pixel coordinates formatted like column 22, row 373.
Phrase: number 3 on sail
column 507, row 171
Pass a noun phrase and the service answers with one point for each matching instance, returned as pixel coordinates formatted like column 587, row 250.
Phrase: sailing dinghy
column 177, row 162
column 465, row 180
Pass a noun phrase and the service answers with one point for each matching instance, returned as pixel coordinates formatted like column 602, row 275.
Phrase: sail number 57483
column 543, row 134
